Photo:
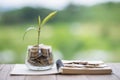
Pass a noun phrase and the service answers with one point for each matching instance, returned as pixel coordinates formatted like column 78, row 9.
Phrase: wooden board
column 5, row 70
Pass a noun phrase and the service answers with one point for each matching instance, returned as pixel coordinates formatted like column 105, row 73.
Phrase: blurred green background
column 76, row 32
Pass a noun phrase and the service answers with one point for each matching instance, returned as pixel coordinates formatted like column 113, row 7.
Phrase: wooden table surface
column 6, row 68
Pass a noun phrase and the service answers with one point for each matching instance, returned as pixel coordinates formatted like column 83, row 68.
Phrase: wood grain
column 71, row 77
column 116, row 69
column 106, row 77
column 102, row 77
column 5, row 70
column 5, row 73
column 46, row 77
column 1, row 66
column 87, row 77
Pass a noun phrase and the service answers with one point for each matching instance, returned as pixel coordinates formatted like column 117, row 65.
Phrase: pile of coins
column 40, row 55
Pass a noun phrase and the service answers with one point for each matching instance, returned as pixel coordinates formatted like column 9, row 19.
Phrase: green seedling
column 41, row 23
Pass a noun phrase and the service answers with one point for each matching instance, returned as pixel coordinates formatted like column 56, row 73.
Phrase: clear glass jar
column 39, row 57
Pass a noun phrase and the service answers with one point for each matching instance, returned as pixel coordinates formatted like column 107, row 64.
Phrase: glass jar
column 39, row 57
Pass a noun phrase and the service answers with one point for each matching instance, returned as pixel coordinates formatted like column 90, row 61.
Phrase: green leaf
column 48, row 17
column 39, row 21
column 29, row 29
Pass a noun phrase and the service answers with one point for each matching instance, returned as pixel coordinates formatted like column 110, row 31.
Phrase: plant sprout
column 41, row 23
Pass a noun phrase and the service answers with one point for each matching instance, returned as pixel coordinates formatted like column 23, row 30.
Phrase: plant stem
column 38, row 36
column 39, row 29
